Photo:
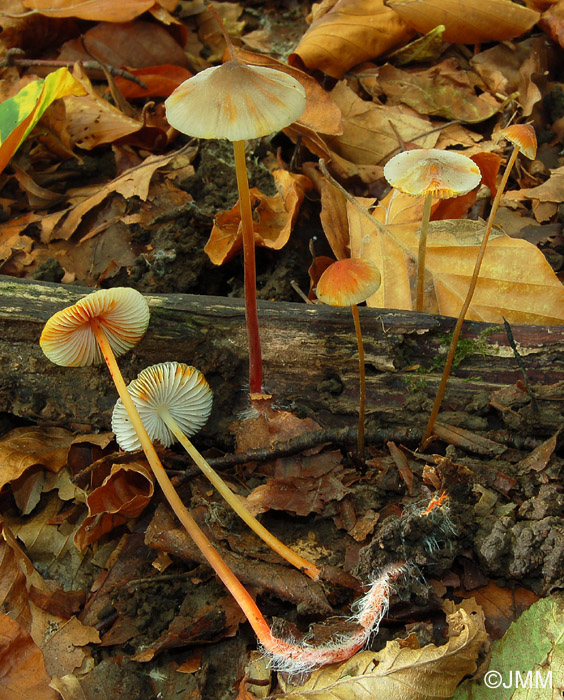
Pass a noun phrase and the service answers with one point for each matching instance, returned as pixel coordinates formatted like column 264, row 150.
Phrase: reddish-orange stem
column 466, row 305
column 231, row 582
column 251, row 314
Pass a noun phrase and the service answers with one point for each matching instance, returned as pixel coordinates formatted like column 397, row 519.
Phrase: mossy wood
column 310, row 358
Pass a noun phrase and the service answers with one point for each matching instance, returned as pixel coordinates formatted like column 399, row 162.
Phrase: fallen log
column 310, row 358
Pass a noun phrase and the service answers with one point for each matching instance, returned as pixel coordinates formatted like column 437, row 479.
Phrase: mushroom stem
column 299, row 562
column 474, row 280
column 362, row 380
column 231, row 582
column 420, row 286
column 251, row 315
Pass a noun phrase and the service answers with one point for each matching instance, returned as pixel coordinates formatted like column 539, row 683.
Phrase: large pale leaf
column 402, row 673
column 468, row 21
column 516, row 282
column 348, row 33
column 97, row 10
column 19, row 114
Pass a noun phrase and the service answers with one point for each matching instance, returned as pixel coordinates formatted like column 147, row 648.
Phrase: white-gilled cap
column 180, row 389
column 235, row 101
column 424, row 171
column 67, row 338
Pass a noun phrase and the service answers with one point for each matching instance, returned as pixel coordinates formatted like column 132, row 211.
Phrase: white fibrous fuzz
column 297, row 658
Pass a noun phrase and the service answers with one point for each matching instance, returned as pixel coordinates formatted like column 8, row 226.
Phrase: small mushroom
column 430, row 173
column 524, row 140
column 174, row 401
column 349, row 282
column 237, row 102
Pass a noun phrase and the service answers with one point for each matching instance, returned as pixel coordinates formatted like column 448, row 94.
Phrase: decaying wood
column 310, row 358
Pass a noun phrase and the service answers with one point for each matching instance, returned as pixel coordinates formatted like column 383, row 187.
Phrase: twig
column 521, row 364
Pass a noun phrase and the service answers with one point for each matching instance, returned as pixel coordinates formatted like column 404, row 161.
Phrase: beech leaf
column 402, row 673
column 468, row 21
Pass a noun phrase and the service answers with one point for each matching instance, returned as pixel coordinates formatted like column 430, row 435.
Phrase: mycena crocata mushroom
column 524, row 141
column 349, row 282
column 430, row 173
column 238, row 102
column 174, row 401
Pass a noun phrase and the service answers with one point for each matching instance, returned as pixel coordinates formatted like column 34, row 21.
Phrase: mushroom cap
column 424, row 171
column 523, row 136
column 348, row 282
column 235, row 101
column 179, row 388
column 68, row 339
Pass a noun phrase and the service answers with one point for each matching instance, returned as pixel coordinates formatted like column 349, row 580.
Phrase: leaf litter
column 107, row 199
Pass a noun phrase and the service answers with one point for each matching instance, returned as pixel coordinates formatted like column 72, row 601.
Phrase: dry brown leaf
column 22, row 667
column 467, row 21
column 539, row 458
column 351, row 32
column 22, row 448
column 368, row 139
column 96, row 10
column 516, row 282
column 274, row 218
column 444, row 90
column 402, row 673
column 123, row 494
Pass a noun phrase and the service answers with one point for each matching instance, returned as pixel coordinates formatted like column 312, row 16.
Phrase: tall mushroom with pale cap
column 430, row 173
column 347, row 283
column 237, row 102
column 174, row 401
column 524, row 140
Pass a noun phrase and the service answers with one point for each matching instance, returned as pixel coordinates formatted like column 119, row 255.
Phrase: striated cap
column 67, row 338
column 348, row 282
column 235, row 101
column 523, row 136
column 425, row 171
column 178, row 388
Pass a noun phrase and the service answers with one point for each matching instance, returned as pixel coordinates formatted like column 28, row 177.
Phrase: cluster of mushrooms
column 171, row 401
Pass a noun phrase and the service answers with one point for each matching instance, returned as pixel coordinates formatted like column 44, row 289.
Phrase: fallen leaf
column 274, row 218
column 444, row 90
column 160, row 81
column 96, row 10
column 22, row 667
column 467, row 21
column 401, row 673
column 538, row 459
column 19, row 114
column 352, row 31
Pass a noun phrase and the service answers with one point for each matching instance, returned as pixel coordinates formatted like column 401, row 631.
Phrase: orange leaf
column 96, row 10
column 351, row 32
column 22, row 668
column 274, row 218
column 467, row 21
column 160, row 81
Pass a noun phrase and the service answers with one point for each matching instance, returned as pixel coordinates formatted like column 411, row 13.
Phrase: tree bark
column 309, row 352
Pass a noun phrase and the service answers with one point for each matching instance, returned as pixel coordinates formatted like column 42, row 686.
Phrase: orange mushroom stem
column 524, row 140
column 349, row 282
column 170, row 395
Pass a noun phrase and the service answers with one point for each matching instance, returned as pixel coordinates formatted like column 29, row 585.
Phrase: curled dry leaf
column 351, row 32
column 274, row 218
column 467, row 21
column 402, row 673
column 97, row 10
column 123, row 494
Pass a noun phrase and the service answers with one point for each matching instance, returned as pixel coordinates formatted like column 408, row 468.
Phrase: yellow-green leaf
column 20, row 113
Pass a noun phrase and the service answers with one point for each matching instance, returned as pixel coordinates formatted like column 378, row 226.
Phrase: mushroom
column 524, row 140
column 237, row 102
column 349, row 282
column 174, row 402
column 112, row 321
column 430, row 173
